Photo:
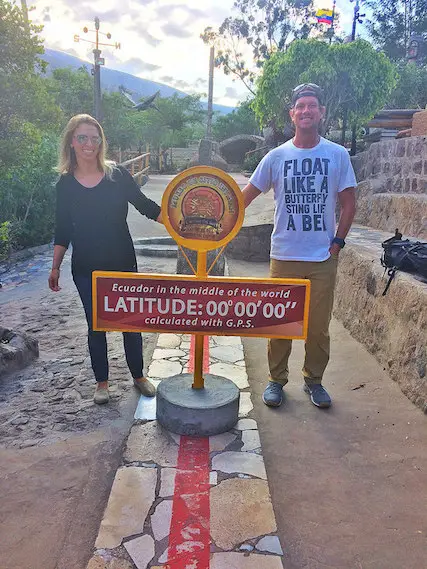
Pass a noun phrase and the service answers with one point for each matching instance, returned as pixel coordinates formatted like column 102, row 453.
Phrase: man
column 308, row 175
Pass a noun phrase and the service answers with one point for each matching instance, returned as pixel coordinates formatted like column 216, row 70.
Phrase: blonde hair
column 67, row 158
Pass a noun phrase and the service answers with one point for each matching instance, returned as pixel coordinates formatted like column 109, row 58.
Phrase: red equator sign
column 131, row 302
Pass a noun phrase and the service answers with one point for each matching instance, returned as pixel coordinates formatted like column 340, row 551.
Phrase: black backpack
column 404, row 255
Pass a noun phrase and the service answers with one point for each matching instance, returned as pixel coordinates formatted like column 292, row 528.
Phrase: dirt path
column 348, row 483
column 59, row 452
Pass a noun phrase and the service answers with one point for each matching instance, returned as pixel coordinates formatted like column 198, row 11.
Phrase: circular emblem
column 202, row 211
column 202, row 208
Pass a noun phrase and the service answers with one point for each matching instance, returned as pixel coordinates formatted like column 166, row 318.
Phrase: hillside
column 111, row 79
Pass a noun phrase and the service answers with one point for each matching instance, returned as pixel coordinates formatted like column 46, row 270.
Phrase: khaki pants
column 322, row 276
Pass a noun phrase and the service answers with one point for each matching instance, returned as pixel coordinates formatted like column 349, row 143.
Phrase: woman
column 91, row 210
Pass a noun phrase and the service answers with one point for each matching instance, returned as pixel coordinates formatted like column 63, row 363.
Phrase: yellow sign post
column 202, row 209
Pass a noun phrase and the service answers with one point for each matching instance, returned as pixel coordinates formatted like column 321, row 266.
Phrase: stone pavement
column 22, row 271
column 178, row 508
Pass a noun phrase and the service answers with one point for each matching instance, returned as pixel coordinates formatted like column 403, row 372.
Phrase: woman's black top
column 93, row 220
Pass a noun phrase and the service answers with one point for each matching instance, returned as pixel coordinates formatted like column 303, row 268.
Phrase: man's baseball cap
column 307, row 90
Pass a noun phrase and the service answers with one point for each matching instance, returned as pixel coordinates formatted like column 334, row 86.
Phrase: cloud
column 144, row 34
column 45, row 14
column 192, row 13
column 200, row 82
column 180, row 84
column 231, row 93
column 83, row 10
column 177, row 83
column 176, row 31
column 135, row 65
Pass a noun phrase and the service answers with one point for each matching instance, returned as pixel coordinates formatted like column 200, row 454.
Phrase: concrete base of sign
column 197, row 412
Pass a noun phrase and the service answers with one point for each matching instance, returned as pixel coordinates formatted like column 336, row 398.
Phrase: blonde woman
column 91, row 210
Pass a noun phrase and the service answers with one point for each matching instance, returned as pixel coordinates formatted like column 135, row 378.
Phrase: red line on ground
column 206, row 354
column 189, row 539
column 189, row 536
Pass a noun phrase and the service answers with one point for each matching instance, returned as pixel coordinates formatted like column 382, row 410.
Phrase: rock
column 233, row 503
column 20, row 421
column 17, row 350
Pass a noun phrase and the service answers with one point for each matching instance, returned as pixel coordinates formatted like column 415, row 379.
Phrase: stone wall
column 401, row 164
column 392, row 193
column 252, row 243
column 392, row 189
column 181, row 157
column 392, row 327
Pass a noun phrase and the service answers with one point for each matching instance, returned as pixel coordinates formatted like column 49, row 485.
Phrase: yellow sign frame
column 202, row 244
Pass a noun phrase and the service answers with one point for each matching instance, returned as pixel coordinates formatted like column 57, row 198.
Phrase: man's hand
column 250, row 192
column 334, row 249
column 54, row 280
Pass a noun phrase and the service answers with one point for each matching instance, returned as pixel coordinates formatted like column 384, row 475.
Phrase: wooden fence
column 139, row 165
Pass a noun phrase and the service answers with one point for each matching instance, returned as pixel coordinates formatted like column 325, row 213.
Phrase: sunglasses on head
column 84, row 139
column 306, row 89
column 310, row 86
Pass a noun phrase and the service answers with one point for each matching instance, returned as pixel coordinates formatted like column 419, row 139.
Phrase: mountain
column 111, row 79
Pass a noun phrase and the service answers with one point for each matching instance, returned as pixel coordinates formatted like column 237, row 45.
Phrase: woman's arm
column 58, row 255
column 144, row 205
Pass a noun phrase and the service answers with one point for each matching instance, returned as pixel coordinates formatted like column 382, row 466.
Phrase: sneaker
column 273, row 394
column 318, row 395
column 101, row 396
column 145, row 388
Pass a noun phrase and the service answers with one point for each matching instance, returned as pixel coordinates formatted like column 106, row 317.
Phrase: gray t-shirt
column 306, row 182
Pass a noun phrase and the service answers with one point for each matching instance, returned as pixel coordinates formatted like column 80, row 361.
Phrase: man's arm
column 250, row 192
column 347, row 201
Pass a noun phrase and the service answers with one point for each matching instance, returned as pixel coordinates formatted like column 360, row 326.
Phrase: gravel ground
column 52, row 398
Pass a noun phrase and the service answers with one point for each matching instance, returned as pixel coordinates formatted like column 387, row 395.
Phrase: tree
column 240, row 121
column 20, row 44
column 23, row 94
column 411, row 88
column 72, row 90
column 29, row 122
column 121, row 124
column 266, row 26
column 392, row 23
column 353, row 75
column 175, row 123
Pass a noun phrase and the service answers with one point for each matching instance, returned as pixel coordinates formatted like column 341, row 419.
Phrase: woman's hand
column 54, row 280
column 159, row 218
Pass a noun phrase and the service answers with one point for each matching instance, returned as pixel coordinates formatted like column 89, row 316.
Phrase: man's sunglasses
column 84, row 139
column 310, row 86
column 307, row 89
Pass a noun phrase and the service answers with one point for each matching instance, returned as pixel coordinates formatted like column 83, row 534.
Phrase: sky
column 159, row 39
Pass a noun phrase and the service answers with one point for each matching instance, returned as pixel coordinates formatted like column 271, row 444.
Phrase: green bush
column 5, row 240
column 27, row 196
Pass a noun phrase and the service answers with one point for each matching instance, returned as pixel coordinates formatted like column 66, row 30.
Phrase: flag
column 325, row 16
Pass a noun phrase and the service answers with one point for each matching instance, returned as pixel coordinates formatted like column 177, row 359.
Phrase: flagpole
column 332, row 23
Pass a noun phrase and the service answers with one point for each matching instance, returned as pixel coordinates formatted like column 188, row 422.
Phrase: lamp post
column 98, row 61
column 357, row 18
column 210, row 94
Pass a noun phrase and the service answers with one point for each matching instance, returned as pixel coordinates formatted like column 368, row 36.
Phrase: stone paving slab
column 137, row 520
